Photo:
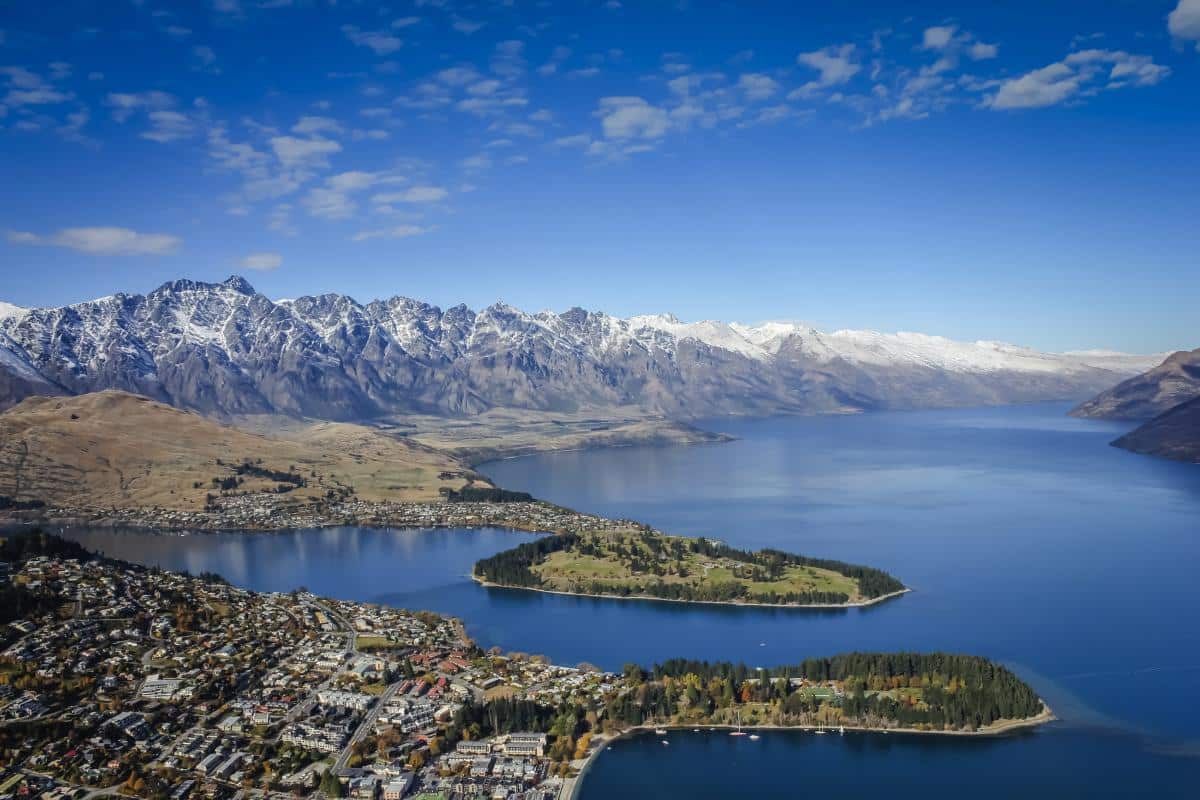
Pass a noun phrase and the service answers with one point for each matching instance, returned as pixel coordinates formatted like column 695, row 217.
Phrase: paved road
column 367, row 724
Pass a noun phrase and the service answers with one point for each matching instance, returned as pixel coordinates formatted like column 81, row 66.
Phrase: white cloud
column 261, row 262
column 414, row 194
column 507, row 60
column 21, row 78
column 458, row 76
column 577, row 140
column 1184, row 21
column 466, row 26
column 332, row 200
column 757, row 86
column 105, row 241
column 484, row 88
column 405, row 22
column 475, row 163
column 397, row 232
column 938, row 37
column 27, row 88
column 36, row 97
column 168, row 126
column 126, row 104
column 370, row 134
column 1082, row 72
column 980, row 51
column 1043, row 87
column 836, row 65
column 292, row 151
column 381, row 42
column 632, row 118
column 311, row 125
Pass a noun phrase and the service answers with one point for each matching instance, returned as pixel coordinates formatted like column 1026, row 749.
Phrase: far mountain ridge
column 1173, row 382
column 225, row 349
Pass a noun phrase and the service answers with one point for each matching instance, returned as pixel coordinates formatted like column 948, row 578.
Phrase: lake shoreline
column 571, row 787
column 816, row 606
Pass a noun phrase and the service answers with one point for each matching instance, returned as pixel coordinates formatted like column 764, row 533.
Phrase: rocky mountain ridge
column 225, row 349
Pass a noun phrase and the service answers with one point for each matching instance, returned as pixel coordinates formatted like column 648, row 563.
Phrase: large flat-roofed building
column 525, row 744
column 475, row 748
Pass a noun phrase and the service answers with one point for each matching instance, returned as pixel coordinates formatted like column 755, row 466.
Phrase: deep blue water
column 1025, row 536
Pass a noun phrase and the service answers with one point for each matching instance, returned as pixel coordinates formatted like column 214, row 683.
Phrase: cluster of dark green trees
column 277, row 475
column 957, row 691
column 716, row 592
column 17, row 602
column 11, row 504
column 23, row 545
column 486, row 494
column 513, row 567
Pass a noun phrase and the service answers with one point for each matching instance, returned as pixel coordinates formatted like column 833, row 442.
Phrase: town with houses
column 121, row 680
column 270, row 511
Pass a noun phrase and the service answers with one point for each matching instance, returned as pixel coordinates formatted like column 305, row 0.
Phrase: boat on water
column 665, row 742
column 660, row 732
column 739, row 731
column 842, row 730
column 754, row 737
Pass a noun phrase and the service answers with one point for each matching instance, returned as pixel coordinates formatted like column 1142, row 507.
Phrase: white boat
column 665, row 742
column 754, row 737
column 842, row 730
column 660, row 732
column 738, row 732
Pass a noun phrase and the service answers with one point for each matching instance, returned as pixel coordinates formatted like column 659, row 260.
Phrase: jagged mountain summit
column 225, row 349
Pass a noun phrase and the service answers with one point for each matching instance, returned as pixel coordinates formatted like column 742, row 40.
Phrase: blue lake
column 1024, row 535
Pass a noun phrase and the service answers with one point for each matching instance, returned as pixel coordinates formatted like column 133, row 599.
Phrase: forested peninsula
column 915, row 691
column 644, row 563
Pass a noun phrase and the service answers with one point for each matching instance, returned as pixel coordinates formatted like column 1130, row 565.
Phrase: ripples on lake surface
column 1025, row 536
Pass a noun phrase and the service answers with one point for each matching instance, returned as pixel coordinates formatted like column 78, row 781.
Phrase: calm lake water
column 1024, row 535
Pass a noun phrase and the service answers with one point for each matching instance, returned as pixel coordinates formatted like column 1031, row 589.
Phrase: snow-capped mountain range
column 225, row 349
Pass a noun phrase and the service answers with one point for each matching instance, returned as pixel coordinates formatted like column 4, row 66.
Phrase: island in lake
column 639, row 562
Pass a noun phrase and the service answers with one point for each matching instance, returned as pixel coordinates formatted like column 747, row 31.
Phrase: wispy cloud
column 396, row 232
column 261, row 262
column 1082, row 73
column 105, row 241
column 381, row 42
column 836, row 65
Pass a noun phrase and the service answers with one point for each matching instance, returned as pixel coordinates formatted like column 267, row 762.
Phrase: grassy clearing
column 624, row 562
column 374, row 643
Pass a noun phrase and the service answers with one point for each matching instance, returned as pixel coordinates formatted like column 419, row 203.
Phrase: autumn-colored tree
column 581, row 747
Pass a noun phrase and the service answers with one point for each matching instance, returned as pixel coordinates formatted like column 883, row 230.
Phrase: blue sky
column 1024, row 171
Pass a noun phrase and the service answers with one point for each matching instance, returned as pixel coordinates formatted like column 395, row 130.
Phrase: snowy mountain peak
column 223, row 348
column 9, row 311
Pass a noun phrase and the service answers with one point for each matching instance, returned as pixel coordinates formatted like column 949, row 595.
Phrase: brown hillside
column 121, row 450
